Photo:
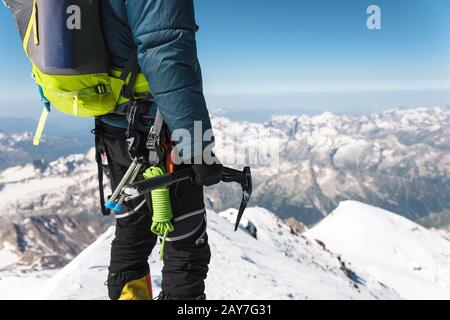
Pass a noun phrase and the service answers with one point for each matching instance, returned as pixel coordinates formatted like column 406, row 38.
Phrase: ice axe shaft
column 244, row 178
column 142, row 187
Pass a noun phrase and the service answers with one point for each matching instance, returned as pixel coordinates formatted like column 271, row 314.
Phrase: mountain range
column 398, row 160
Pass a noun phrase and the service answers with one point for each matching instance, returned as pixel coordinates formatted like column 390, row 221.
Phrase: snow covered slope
column 279, row 264
column 445, row 232
column 412, row 260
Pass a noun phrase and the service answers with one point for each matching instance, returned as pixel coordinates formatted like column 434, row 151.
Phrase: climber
column 133, row 66
column 163, row 33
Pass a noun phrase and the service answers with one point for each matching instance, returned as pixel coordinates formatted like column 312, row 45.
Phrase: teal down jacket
column 163, row 31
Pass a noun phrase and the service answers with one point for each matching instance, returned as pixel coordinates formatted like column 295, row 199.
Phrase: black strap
column 133, row 112
column 132, row 67
column 99, row 148
column 133, row 138
column 154, row 154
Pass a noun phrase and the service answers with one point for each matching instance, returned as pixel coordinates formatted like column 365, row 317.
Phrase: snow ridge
column 398, row 252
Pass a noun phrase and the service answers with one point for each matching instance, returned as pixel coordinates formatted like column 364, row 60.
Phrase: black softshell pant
column 185, row 260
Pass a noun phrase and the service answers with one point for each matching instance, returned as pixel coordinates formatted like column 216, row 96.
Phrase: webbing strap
column 40, row 127
column 157, row 125
column 131, row 68
column 153, row 139
column 99, row 89
column 99, row 148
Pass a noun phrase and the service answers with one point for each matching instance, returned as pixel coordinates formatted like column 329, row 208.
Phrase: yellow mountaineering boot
column 140, row 289
column 130, row 285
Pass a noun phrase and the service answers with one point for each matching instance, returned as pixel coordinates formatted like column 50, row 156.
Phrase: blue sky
column 296, row 56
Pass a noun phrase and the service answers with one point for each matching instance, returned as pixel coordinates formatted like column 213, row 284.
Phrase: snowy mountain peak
column 400, row 253
column 277, row 264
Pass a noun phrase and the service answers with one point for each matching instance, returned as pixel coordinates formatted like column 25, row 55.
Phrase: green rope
column 162, row 208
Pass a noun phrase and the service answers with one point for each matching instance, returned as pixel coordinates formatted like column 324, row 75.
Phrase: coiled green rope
column 162, row 208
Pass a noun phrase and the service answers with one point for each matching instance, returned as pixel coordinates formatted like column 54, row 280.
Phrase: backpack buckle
column 101, row 89
column 152, row 139
column 152, row 144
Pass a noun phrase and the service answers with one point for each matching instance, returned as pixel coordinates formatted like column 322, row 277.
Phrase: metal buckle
column 101, row 89
column 154, row 154
column 152, row 139
column 131, row 118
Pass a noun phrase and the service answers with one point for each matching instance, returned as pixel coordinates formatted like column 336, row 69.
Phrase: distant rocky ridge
column 48, row 241
column 17, row 148
column 440, row 220
column 398, row 160
column 50, row 212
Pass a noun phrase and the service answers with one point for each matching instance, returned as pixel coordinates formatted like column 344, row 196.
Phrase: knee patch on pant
column 130, row 285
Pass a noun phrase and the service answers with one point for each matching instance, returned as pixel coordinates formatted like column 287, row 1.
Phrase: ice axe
column 244, row 178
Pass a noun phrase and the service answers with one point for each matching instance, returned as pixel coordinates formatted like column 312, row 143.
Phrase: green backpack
column 64, row 41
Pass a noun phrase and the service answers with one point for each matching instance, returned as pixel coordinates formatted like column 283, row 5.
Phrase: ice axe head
column 244, row 178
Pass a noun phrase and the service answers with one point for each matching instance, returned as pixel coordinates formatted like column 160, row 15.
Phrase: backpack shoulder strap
column 131, row 70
